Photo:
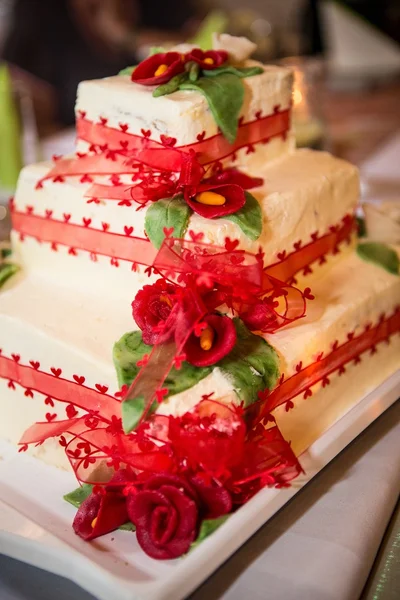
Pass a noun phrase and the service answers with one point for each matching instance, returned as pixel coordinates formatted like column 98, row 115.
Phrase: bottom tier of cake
column 56, row 344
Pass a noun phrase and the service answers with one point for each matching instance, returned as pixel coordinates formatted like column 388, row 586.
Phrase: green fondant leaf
column 5, row 253
column 171, row 86
column 252, row 366
column 248, row 218
column 78, row 496
column 127, row 352
column 208, row 526
column 127, row 70
column 241, row 72
column 132, row 411
column 361, row 227
column 167, row 213
column 156, row 50
column 381, row 255
column 224, row 94
column 7, row 270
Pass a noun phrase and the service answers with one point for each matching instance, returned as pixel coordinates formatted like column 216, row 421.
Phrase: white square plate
column 35, row 522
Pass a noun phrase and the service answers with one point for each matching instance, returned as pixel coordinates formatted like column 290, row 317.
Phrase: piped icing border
column 125, row 246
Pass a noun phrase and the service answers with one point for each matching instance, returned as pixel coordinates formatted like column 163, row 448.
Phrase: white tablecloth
column 321, row 546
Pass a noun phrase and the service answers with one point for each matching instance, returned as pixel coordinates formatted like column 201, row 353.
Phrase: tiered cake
column 85, row 251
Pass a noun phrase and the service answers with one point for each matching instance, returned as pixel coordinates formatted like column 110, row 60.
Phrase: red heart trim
column 114, row 262
column 168, row 231
column 56, row 372
column 72, row 252
column 86, row 222
column 16, row 357
column 101, row 388
column 105, row 226
column 307, row 394
column 66, row 217
column 11, row 385
column 128, row 230
column 146, row 133
column 124, row 144
column 297, row 245
column 48, row 213
column 196, row 237
column 50, row 417
column 54, row 246
column 35, row 364
column 299, row 367
column 124, row 127
column 167, row 141
column 49, row 401
column 79, row 379
column 86, row 179
column 230, row 245
column 281, row 255
column 28, row 393
column 201, row 136
column 29, row 210
column 103, row 121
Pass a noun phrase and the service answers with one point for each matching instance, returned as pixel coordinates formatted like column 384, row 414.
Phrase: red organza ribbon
column 216, row 148
column 319, row 371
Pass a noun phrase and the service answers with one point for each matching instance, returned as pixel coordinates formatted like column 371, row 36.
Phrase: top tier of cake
column 183, row 119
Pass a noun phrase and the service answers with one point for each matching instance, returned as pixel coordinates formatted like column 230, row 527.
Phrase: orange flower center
column 208, row 60
column 166, row 300
column 93, row 524
column 210, row 199
column 160, row 70
column 207, row 338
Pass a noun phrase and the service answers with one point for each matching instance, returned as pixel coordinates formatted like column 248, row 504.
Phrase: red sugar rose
column 223, row 339
column 168, row 509
column 168, row 64
column 208, row 60
column 151, row 308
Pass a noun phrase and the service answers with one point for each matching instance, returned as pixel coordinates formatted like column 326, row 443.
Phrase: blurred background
column 346, row 57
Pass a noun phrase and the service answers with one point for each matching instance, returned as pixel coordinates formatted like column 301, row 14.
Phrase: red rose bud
column 208, row 60
column 259, row 317
column 103, row 512
column 165, row 513
column 213, row 343
column 216, row 500
column 151, row 308
column 158, row 69
column 213, row 201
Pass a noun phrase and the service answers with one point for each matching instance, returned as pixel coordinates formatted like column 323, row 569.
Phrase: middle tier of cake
column 61, row 235
column 57, row 348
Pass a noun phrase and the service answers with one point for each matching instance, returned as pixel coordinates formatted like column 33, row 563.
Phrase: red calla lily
column 105, row 511
column 224, row 340
column 236, row 177
column 145, row 71
column 208, row 60
column 234, row 196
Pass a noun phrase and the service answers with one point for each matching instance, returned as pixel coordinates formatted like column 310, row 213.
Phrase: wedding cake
column 193, row 307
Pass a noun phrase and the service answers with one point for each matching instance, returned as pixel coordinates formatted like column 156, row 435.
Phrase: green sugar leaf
column 78, row 496
column 7, row 270
column 156, row 50
column 208, row 526
column 379, row 254
column 248, row 218
column 127, row 352
column 169, row 212
column 171, row 86
column 224, row 94
column 241, row 72
column 127, row 71
column 5, row 252
column 132, row 411
column 252, row 366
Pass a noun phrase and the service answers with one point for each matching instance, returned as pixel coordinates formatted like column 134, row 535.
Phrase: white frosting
column 75, row 332
column 183, row 114
column 303, row 192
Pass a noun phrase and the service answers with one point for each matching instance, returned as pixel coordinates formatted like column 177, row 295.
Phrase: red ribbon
column 303, row 380
column 209, row 150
